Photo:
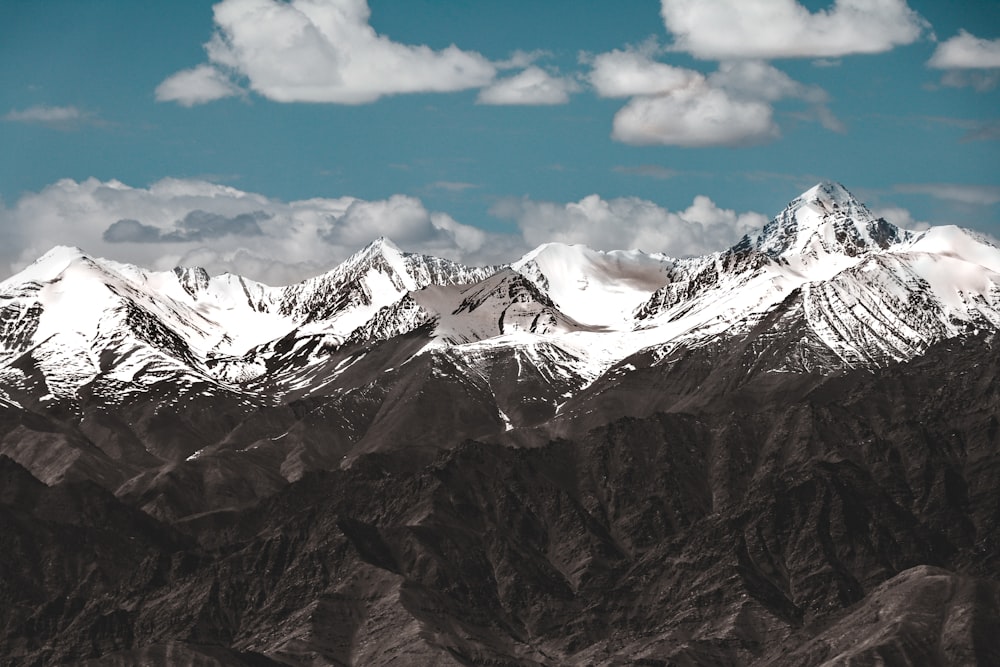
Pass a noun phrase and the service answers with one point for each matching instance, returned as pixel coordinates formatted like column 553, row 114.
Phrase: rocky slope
column 855, row 523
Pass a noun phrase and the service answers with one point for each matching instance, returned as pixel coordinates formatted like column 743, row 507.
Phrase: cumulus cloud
column 192, row 222
column 632, row 72
column 318, row 51
column 198, row 85
column 754, row 79
column 970, row 62
column 757, row 80
column 694, row 117
column 631, row 223
column 533, row 86
column 966, row 51
column 766, row 29
column 682, row 107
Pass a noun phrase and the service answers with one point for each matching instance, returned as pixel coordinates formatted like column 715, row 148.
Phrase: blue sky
column 333, row 127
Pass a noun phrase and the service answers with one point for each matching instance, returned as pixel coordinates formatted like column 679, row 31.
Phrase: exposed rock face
column 848, row 523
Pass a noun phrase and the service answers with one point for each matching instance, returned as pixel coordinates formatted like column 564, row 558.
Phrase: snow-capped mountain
column 844, row 288
column 79, row 317
column 581, row 457
column 855, row 285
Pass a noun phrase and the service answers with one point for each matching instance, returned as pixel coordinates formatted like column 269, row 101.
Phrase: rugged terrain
column 782, row 453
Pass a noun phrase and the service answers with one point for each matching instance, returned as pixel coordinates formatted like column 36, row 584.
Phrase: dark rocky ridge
column 735, row 519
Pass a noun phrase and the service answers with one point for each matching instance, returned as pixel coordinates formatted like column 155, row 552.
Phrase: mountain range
column 784, row 452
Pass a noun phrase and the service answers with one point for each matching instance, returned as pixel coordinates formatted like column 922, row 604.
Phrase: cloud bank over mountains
column 184, row 222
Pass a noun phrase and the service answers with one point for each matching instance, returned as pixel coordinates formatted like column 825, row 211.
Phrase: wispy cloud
column 522, row 59
column 646, row 170
column 452, row 186
column 984, row 131
column 198, row 85
column 980, row 195
column 976, row 129
column 50, row 116
column 979, row 80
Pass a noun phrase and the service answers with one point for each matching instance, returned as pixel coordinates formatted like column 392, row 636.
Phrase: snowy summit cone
column 826, row 220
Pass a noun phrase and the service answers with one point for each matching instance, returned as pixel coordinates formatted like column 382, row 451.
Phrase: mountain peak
column 51, row 264
column 382, row 244
column 828, row 193
column 826, row 219
column 62, row 256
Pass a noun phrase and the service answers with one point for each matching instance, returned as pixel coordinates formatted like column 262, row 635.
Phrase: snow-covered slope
column 867, row 291
column 593, row 287
column 78, row 318
column 836, row 286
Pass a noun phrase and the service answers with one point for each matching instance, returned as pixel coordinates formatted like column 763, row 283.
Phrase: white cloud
column 682, row 107
column 971, row 62
column 966, row 51
column 757, row 80
column 631, row 72
column 735, row 29
column 182, row 222
column 199, row 85
column 980, row 195
column 630, row 223
column 521, row 59
column 452, row 186
column 191, row 222
column 533, row 86
column 63, row 118
column 323, row 51
column 694, row 117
